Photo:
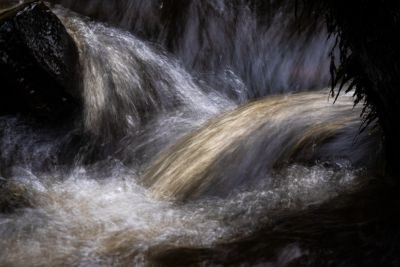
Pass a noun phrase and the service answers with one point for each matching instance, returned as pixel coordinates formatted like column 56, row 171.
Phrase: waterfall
column 197, row 140
column 253, row 44
column 244, row 145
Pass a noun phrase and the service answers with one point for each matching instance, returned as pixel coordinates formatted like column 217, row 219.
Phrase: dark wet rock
column 39, row 64
column 13, row 195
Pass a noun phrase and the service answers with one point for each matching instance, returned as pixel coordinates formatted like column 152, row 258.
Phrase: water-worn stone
column 39, row 64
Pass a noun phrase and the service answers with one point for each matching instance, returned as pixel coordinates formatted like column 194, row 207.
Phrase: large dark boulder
column 39, row 64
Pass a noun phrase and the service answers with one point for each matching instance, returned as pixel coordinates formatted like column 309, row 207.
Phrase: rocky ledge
column 39, row 64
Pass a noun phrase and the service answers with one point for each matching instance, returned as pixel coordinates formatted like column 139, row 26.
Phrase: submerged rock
column 39, row 64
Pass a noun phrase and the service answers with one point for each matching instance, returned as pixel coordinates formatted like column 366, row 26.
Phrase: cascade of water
column 245, row 145
column 178, row 132
column 126, row 82
column 258, row 43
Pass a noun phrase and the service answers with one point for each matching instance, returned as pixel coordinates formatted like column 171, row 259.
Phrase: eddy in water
column 191, row 175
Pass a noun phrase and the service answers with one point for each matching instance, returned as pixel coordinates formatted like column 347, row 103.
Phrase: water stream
column 185, row 159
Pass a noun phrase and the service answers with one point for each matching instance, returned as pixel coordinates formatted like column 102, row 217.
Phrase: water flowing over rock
column 171, row 160
column 127, row 83
column 39, row 65
column 254, row 140
column 251, row 44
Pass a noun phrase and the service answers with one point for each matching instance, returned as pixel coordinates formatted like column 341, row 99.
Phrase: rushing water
column 182, row 164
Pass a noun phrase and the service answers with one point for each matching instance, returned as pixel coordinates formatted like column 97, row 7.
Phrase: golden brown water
column 190, row 169
column 247, row 143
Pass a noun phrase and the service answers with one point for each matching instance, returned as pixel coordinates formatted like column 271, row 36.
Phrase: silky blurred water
column 173, row 152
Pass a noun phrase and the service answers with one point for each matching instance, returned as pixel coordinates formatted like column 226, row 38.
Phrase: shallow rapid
column 166, row 164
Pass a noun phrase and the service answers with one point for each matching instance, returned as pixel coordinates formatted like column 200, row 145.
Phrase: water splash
column 236, row 171
column 131, row 83
column 90, row 220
